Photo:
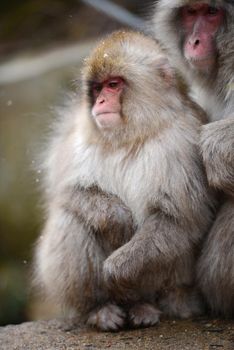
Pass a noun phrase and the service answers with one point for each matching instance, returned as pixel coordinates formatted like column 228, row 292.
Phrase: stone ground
column 199, row 334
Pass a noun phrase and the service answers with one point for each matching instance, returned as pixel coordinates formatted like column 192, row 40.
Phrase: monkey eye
column 113, row 84
column 191, row 11
column 212, row 10
column 96, row 88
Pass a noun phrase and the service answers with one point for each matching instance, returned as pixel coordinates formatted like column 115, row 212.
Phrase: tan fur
column 127, row 208
column 214, row 91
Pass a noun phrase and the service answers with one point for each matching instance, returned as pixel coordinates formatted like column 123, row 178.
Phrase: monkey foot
column 109, row 318
column 143, row 315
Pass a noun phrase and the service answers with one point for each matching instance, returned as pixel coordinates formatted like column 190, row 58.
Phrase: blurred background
column 42, row 45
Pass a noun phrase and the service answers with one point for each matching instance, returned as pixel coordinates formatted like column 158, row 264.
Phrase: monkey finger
column 109, row 318
column 144, row 315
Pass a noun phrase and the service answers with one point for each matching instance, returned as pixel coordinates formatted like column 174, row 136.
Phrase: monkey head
column 124, row 81
column 191, row 30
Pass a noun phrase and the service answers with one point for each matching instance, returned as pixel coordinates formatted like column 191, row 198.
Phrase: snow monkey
column 127, row 196
column 199, row 38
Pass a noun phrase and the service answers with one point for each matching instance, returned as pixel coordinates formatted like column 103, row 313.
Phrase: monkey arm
column 217, row 145
column 101, row 212
column 156, row 244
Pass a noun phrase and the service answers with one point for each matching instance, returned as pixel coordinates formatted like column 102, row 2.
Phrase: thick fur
column 215, row 93
column 127, row 207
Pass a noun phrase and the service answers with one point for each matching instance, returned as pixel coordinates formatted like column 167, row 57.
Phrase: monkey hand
column 217, row 144
column 122, row 268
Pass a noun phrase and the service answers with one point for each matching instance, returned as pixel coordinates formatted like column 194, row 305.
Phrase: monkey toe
column 144, row 315
column 109, row 318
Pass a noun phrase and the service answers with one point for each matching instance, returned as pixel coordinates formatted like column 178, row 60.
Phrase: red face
column 106, row 109
column 200, row 23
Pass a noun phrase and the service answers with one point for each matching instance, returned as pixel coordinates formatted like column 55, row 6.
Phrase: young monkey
column 127, row 197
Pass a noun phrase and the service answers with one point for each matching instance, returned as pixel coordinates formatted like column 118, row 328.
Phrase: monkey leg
column 216, row 264
column 69, row 266
column 178, row 295
column 181, row 302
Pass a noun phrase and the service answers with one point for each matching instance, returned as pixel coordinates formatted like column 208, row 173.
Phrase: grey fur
column 215, row 93
column 126, row 208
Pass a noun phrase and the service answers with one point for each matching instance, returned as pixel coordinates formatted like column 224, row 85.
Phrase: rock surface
column 200, row 334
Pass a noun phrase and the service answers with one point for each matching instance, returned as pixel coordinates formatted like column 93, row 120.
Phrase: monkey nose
column 194, row 42
column 100, row 101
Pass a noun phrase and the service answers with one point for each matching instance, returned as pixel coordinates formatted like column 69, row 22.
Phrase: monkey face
column 200, row 23
column 106, row 97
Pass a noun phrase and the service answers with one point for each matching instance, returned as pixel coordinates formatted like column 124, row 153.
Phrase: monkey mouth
column 202, row 63
column 108, row 119
column 102, row 113
column 105, row 115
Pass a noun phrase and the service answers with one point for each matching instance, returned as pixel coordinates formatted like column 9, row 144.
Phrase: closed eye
column 191, row 11
column 212, row 10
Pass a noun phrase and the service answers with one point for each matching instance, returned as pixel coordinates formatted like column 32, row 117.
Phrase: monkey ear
column 166, row 71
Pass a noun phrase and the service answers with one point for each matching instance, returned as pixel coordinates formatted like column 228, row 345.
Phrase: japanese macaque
column 128, row 200
column 199, row 38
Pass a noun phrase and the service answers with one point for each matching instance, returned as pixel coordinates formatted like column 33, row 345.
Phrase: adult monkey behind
column 199, row 37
